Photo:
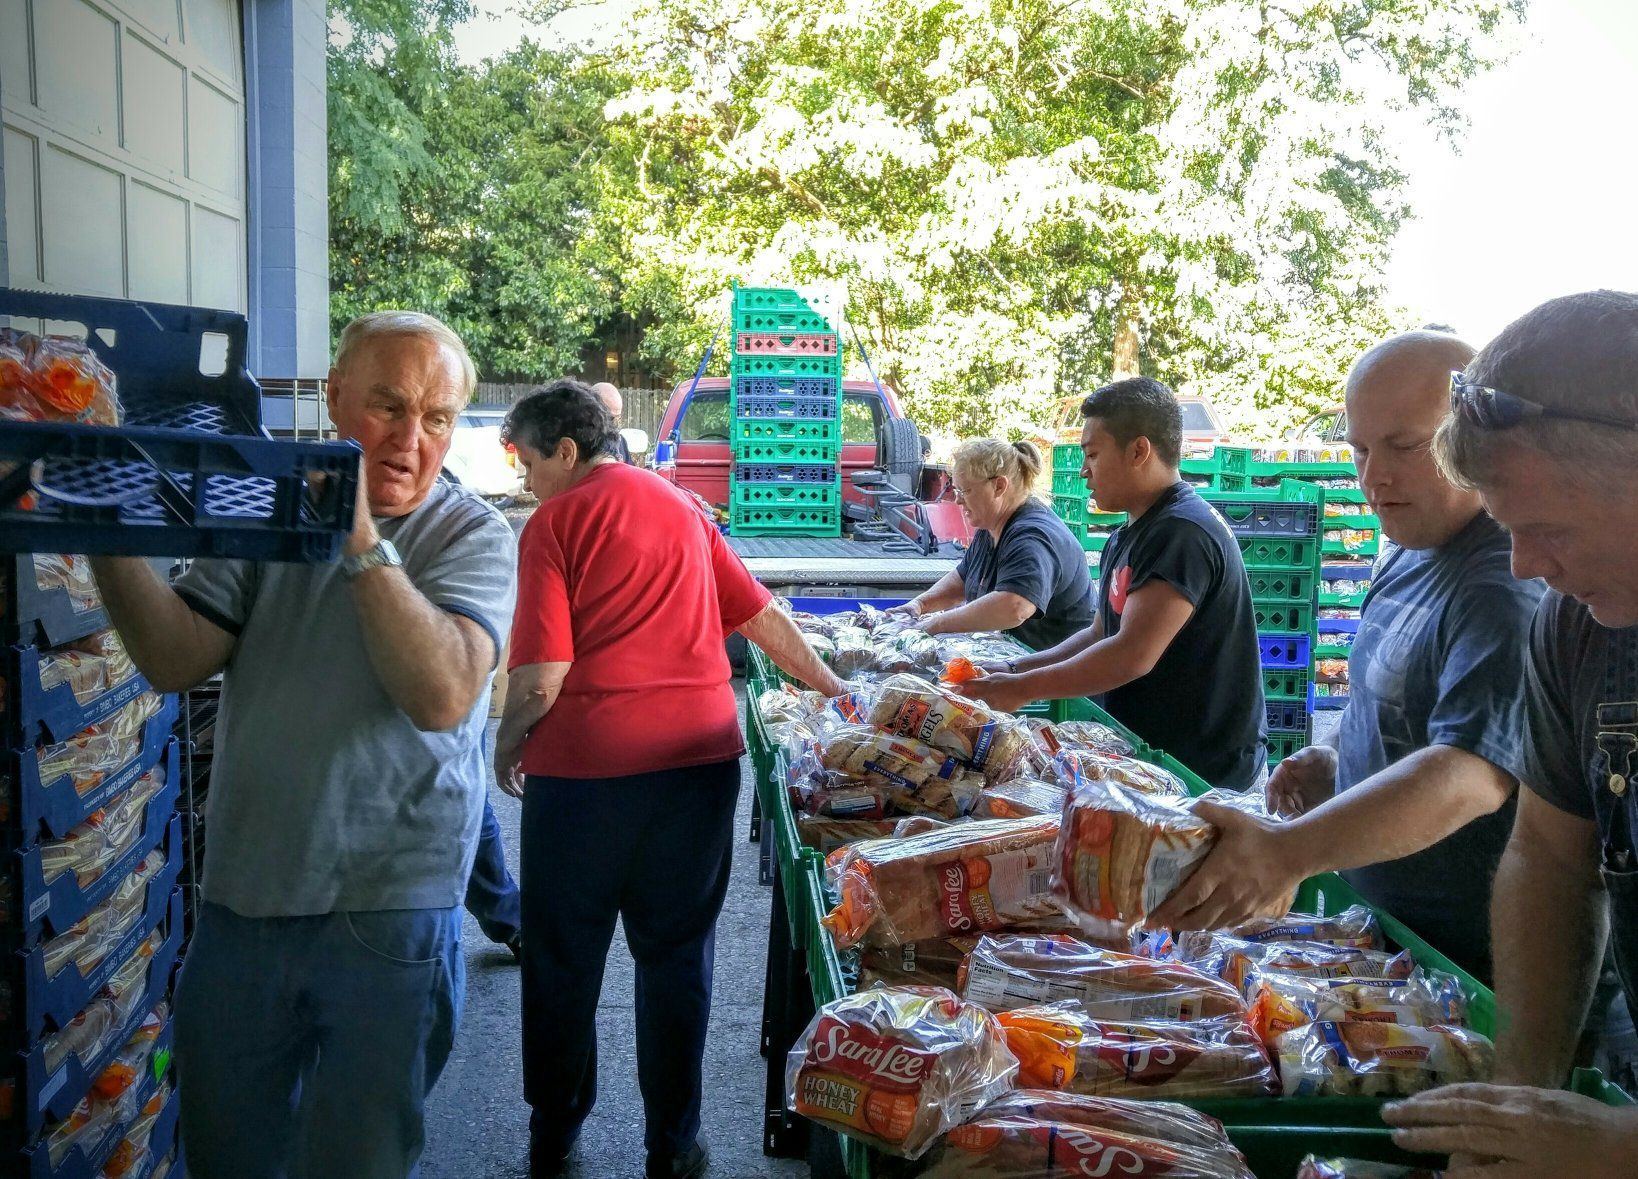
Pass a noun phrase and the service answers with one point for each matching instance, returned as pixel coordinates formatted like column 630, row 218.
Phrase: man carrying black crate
column 1544, row 424
column 318, row 1000
column 1172, row 651
column 1413, row 799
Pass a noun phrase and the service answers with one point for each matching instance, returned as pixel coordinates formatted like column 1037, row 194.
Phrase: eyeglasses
column 1493, row 409
column 963, row 494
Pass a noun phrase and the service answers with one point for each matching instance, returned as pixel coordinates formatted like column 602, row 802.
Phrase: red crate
column 786, row 343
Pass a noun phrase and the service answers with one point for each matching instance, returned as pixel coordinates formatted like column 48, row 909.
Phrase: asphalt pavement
column 477, row 1123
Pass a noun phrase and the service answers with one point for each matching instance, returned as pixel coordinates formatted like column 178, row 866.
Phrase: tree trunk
column 1126, row 337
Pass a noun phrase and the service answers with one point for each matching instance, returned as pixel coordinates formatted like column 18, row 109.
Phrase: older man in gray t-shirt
column 319, row 996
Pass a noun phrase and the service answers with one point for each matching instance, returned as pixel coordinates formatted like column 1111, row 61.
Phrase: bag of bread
column 994, row 1146
column 1283, row 1002
column 1355, row 927
column 966, row 879
column 1121, row 853
column 1008, row 972
column 1236, row 960
column 1061, row 1047
column 1331, row 1059
column 1077, row 767
column 909, row 776
column 1057, row 737
column 1164, row 1121
column 1019, row 799
column 896, row 1067
column 1313, row 1168
column 935, row 962
column 825, row 834
column 992, row 742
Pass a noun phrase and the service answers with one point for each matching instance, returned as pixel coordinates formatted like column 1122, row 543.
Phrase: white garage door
column 125, row 148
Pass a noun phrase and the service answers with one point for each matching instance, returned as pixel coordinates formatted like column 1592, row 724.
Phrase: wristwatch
column 380, row 553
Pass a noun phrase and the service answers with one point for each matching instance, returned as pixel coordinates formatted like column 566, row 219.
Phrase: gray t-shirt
column 324, row 796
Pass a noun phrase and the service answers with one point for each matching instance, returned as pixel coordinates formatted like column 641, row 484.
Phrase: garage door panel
column 158, row 264
column 214, row 155
column 76, row 56
column 16, row 71
column 212, row 31
column 22, row 207
column 83, row 219
column 217, row 240
column 162, row 18
column 155, row 105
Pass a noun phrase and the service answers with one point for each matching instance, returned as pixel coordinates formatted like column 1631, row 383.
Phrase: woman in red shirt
column 621, row 735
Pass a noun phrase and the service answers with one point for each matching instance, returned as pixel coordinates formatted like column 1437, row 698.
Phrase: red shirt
column 626, row 580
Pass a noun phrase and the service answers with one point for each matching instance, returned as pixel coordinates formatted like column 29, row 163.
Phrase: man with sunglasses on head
column 1544, row 425
column 1413, row 797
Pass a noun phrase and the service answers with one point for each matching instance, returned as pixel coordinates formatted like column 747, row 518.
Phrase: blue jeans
column 652, row 851
column 306, row 1046
column 491, row 893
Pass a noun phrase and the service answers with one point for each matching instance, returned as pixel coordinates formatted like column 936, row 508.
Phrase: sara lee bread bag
column 1121, row 853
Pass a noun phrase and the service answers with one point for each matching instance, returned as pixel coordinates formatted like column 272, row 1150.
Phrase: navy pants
column 654, row 851
column 491, row 893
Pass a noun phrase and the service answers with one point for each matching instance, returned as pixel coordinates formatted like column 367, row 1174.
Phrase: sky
column 1539, row 197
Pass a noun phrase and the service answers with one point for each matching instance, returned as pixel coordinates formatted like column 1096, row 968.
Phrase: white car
column 478, row 457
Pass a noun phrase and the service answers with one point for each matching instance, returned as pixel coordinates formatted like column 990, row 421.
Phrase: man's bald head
column 1413, row 365
column 1398, row 393
column 609, row 395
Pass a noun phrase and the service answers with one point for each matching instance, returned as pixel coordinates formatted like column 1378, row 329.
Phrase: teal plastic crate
column 1280, row 552
column 792, row 495
column 1283, row 745
column 775, row 520
column 1068, row 483
column 1071, row 509
column 800, row 451
column 827, row 435
column 1282, row 617
column 1285, row 684
column 1067, row 456
column 1283, row 585
column 785, row 319
column 785, row 366
column 823, row 300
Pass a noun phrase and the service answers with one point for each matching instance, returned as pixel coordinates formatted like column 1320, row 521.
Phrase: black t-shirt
column 1039, row 559
column 1581, row 748
column 1203, row 702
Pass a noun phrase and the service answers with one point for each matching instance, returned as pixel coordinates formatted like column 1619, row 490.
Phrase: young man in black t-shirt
column 1172, row 652
column 1545, row 424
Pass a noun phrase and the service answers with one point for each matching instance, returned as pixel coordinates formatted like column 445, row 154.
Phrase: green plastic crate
column 785, row 319
column 1279, row 552
column 808, row 432
column 771, row 520
column 1283, row 618
column 785, row 366
column 824, row 300
column 1307, row 471
column 1283, row 585
column 1071, row 509
column 794, row 495
column 1283, row 745
column 1067, row 456
column 1285, row 684
column 785, row 452
column 1068, row 483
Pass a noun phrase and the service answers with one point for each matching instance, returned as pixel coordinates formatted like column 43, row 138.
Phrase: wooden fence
column 644, row 407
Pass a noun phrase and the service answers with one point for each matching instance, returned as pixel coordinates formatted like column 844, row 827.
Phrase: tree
column 1026, row 196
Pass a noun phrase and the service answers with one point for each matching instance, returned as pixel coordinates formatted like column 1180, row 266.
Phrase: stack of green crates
column 1072, row 505
column 785, row 402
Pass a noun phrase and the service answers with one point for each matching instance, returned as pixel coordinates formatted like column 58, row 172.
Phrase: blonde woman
column 1025, row 572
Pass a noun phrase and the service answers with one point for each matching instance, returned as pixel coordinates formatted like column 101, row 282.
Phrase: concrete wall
column 288, row 189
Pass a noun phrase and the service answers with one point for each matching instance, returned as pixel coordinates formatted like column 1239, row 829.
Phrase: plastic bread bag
column 126, row 1069
column 1008, row 972
column 72, row 574
column 1078, row 767
column 824, row 834
column 88, row 1032
column 915, row 777
column 103, row 837
column 1284, row 1002
column 966, row 879
column 88, row 941
column 1236, row 960
column 985, row 646
column 911, row 651
column 995, row 743
column 922, row 824
column 1019, row 799
column 896, row 1067
column 16, row 356
column 1379, row 1059
column 1111, row 1137
column 1061, row 1047
column 1061, row 736
column 959, row 670
column 855, row 653
column 103, row 749
column 1121, row 853
column 89, row 667
column 1313, row 1168
column 71, row 384
column 784, row 706
column 934, row 962
column 1354, row 927
column 96, row 1115
column 132, row 1153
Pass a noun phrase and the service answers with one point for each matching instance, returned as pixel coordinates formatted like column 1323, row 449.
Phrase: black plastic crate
column 189, row 472
column 784, row 473
column 1286, row 716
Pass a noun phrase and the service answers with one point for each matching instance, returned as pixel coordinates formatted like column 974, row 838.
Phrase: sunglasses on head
column 1493, row 409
